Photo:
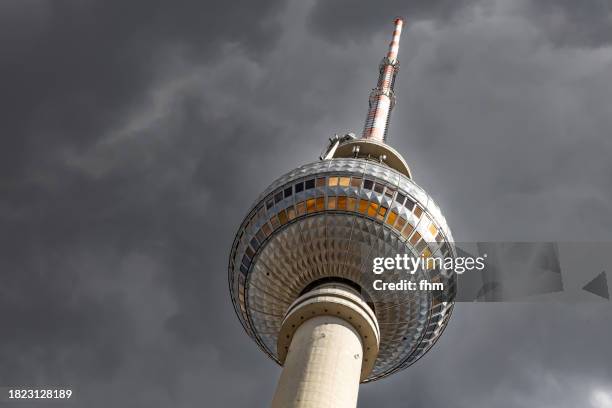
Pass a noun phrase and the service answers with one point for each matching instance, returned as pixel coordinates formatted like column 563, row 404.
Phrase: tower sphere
column 326, row 221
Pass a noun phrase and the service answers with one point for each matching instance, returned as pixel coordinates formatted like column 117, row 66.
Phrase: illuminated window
column 310, row 205
column 392, row 217
column 266, row 229
column 432, row 229
column 331, row 203
column 290, row 213
column 372, row 209
column 342, row 203
column 320, row 203
column 352, row 203
column 282, row 216
column 321, row 182
column 363, row 205
column 381, row 212
column 418, row 211
column 415, row 238
column 408, row 230
column 274, row 222
column 260, row 236
column 344, row 181
column 430, row 263
column 332, row 181
column 367, row 184
column 400, row 223
column 288, row 192
column 301, row 208
column 299, row 187
column 379, row 188
column 309, row 184
column 356, row 182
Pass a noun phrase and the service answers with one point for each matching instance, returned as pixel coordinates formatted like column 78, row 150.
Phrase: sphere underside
column 329, row 220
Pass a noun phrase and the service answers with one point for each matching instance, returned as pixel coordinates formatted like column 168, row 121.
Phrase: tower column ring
column 336, row 300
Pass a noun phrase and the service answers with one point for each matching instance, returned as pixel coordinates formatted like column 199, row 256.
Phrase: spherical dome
column 328, row 220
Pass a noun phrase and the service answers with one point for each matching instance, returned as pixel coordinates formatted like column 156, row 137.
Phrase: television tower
column 300, row 268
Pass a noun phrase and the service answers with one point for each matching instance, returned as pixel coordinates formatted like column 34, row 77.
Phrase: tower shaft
column 382, row 98
column 329, row 341
column 323, row 366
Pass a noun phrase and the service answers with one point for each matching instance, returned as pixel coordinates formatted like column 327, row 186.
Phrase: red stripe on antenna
column 382, row 98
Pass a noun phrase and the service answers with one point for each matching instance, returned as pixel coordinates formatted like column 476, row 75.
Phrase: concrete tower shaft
column 382, row 98
column 322, row 369
column 328, row 342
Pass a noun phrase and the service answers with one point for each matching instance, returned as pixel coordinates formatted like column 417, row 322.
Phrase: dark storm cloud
column 584, row 24
column 93, row 229
column 71, row 69
column 566, row 22
column 135, row 137
column 347, row 19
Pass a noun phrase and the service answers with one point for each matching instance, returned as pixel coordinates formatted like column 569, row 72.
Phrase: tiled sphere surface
column 330, row 219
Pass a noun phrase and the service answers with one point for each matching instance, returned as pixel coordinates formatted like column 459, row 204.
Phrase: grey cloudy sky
column 135, row 135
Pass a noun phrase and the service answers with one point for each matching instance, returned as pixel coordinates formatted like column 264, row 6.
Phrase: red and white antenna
column 382, row 98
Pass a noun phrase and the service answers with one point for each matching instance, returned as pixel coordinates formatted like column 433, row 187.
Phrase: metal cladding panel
column 330, row 219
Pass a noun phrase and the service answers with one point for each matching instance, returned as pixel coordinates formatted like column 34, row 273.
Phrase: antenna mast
column 382, row 98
